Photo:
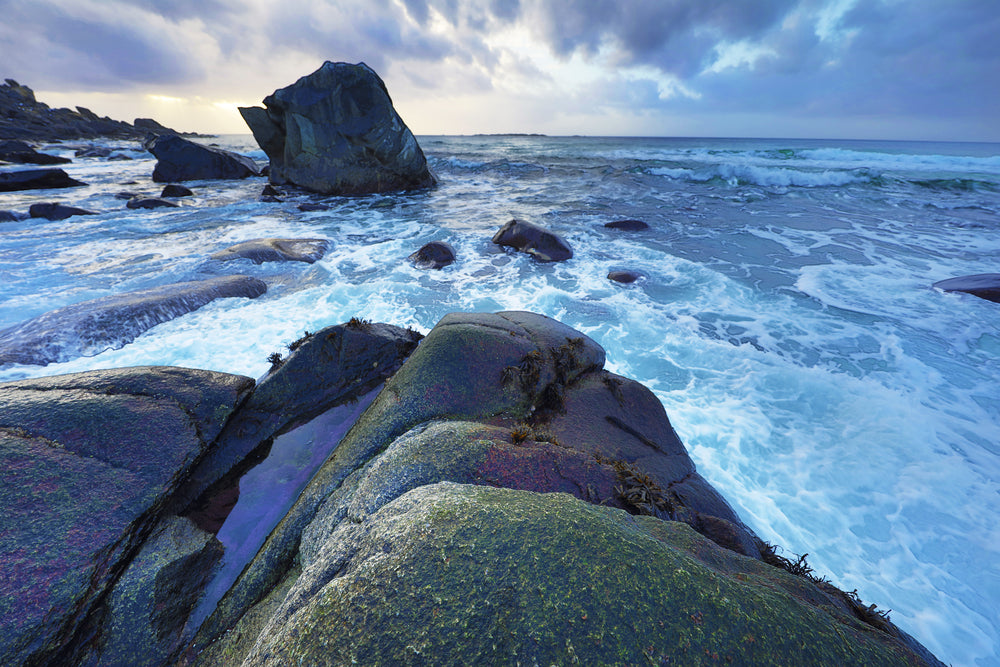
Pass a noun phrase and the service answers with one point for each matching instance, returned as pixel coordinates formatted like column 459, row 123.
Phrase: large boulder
column 36, row 179
column 111, row 322
column 56, row 211
column 89, row 461
column 540, row 243
column 984, row 285
column 179, row 159
column 335, row 131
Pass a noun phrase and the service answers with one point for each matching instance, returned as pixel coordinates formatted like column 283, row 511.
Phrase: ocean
column 784, row 316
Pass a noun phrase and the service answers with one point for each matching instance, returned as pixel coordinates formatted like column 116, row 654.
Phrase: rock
column 538, row 242
column 174, row 190
column 276, row 250
column 119, row 156
column 111, row 322
column 89, row 460
column 984, row 285
column 36, row 179
column 93, row 151
column 335, row 131
column 9, row 216
column 624, row 277
column 627, row 225
column 22, row 153
column 127, row 194
column 150, row 202
column 438, row 574
column 56, row 211
column 23, row 117
column 180, row 159
column 311, row 206
column 150, row 126
column 270, row 191
column 433, row 255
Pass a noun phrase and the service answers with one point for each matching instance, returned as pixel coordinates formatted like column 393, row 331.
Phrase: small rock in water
column 8, row 216
column 312, row 206
column 13, row 150
column 56, row 211
column 150, row 202
column 37, row 179
column 93, row 151
column 276, row 250
column 540, row 243
column 624, row 277
column 627, row 225
column 174, row 190
column 984, row 285
column 433, row 255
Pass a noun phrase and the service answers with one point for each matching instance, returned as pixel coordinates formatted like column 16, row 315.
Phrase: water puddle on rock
column 269, row 490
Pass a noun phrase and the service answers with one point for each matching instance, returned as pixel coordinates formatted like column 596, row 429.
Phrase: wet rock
column 276, row 250
column 89, row 461
column 175, row 190
column 624, row 277
column 540, row 243
column 433, row 255
column 150, row 202
column 627, row 225
column 56, row 211
column 180, row 159
column 109, row 323
column 36, row 179
column 335, row 131
column 22, row 153
column 9, row 216
column 308, row 207
column 438, row 572
column 93, row 151
column 984, row 285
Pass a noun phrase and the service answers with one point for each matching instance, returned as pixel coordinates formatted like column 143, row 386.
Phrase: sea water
column 785, row 318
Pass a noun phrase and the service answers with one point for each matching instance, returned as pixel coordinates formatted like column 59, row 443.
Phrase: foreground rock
column 984, row 285
column 180, row 159
column 108, row 323
column 538, row 509
column 335, row 131
column 36, row 179
column 88, row 460
column 276, row 250
column 540, row 243
column 624, row 277
column 23, row 117
column 402, row 549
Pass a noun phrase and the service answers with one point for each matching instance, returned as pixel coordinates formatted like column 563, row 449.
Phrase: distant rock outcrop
column 335, row 131
column 179, row 159
column 108, row 323
column 23, row 117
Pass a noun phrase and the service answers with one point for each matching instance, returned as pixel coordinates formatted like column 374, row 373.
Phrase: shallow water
column 785, row 318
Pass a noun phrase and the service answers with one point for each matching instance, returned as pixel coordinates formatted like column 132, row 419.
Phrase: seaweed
column 275, row 360
column 358, row 324
column 296, row 344
column 527, row 373
column 640, row 493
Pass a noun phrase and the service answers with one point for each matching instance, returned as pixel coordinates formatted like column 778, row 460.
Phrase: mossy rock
column 459, row 574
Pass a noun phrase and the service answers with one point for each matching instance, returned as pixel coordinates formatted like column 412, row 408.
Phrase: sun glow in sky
column 879, row 69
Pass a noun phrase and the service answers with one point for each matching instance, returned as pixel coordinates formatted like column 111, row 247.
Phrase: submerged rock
column 276, row 250
column 540, row 243
column 984, row 285
column 627, row 225
column 180, row 159
column 433, row 255
column 335, row 131
column 56, row 211
column 36, row 179
column 149, row 202
column 89, row 459
column 624, row 277
column 111, row 322
column 175, row 190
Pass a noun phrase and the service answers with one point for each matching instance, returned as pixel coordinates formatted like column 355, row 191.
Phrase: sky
column 842, row 69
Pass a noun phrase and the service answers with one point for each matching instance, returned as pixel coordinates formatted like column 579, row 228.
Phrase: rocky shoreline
column 503, row 499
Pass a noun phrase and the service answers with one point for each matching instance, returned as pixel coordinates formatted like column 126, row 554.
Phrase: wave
column 745, row 174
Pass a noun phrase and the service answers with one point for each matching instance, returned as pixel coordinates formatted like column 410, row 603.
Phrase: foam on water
column 784, row 317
